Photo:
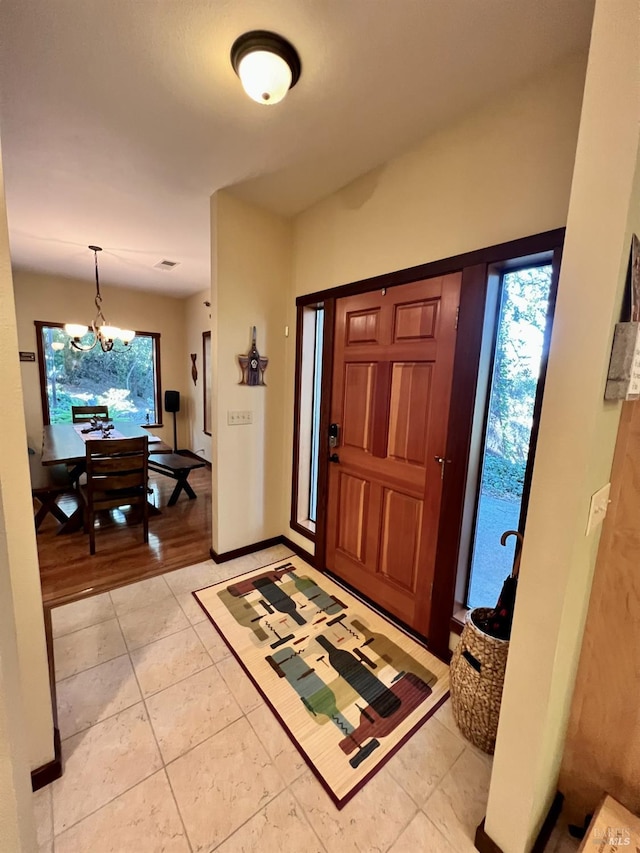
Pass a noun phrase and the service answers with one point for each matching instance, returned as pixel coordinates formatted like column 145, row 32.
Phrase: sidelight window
column 520, row 340
column 311, row 319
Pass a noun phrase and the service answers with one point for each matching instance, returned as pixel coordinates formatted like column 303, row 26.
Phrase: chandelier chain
column 103, row 334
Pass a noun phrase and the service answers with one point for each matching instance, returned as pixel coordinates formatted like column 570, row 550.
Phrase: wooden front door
column 393, row 365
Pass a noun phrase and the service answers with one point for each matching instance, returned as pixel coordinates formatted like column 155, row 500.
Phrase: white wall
column 576, row 439
column 59, row 300
column 197, row 320
column 25, row 702
column 251, row 263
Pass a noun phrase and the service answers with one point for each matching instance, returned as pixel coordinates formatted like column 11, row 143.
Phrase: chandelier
column 103, row 333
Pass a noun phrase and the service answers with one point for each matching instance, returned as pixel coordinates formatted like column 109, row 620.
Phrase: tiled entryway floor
column 168, row 748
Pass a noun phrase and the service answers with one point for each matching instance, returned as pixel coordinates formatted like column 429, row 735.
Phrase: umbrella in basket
column 497, row 622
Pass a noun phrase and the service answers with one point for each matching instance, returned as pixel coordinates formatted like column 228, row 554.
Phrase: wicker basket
column 477, row 678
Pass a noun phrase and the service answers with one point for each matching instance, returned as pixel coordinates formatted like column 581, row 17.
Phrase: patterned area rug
column 347, row 685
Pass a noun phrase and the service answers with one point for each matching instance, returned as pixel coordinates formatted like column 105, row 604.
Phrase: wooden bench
column 178, row 468
column 48, row 482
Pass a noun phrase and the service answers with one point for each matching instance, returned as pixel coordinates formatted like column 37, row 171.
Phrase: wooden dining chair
column 80, row 414
column 117, row 473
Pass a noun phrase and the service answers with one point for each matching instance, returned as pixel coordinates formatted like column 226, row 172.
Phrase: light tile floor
column 168, row 748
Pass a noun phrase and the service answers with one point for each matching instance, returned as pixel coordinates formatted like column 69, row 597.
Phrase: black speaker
column 172, row 401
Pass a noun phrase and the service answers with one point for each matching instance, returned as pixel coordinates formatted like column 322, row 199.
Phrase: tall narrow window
column 315, row 414
column 519, row 344
column 307, row 440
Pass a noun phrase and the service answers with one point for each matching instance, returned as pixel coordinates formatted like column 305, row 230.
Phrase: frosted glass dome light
column 267, row 65
column 265, row 77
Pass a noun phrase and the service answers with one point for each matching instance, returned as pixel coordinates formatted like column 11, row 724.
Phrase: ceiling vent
column 166, row 265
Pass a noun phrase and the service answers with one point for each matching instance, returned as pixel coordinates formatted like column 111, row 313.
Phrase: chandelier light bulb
column 74, row 330
column 109, row 333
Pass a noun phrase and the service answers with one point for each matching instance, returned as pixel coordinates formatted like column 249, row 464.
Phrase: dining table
column 66, row 444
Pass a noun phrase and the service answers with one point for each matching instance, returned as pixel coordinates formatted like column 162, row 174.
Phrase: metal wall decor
column 194, row 369
column 253, row 364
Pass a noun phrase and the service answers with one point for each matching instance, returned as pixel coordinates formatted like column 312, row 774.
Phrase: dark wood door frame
column 475, row 270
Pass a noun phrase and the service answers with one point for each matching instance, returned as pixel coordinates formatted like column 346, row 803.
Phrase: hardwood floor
column 179, row 536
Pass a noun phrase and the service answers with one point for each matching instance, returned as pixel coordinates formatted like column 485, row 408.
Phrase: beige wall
column 602, row 752
column 17, row 828
column 501, row 173
column 26, row 722
column 197, row 321
column 251, row 262
column 56, row 299
column 576, row 439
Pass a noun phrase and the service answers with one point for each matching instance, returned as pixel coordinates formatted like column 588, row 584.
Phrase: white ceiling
column 120, row 118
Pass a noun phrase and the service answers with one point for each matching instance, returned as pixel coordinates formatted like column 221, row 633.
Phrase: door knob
column 334, row 458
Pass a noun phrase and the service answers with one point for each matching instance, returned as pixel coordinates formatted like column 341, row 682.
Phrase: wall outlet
column 598, row 508
column 238, row 418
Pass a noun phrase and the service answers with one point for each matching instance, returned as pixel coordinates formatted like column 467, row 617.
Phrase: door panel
column 357, row 423
column 400, row 539
column 393, row 365
column 352, row 516
column 415, row 320
column 409, row 411
column 362, row 327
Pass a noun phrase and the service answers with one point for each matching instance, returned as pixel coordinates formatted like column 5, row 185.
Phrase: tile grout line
column 243, row 714
column 163, row 636
column 440, row 784
column 175, row 802
column 93, row 666
column 421, row 805
column 208, row 737
column 108, row 802
column 195, row 746
column 131, row 787
column 51, row 818
column 437, row 828
column 303, row 810
column 408, row 823
column 245, row 822
column 164, row 766
column 143, row 700
column 82, row 627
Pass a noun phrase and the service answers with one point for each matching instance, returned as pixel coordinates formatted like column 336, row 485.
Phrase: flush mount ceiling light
column 267, row 65
column 102, row 332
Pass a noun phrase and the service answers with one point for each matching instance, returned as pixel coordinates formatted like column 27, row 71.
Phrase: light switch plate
column 238, row 418
column 598, row 507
